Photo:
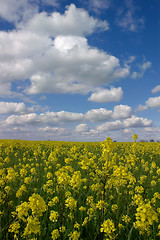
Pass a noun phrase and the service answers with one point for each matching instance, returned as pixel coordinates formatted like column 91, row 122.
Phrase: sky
column 80, row 70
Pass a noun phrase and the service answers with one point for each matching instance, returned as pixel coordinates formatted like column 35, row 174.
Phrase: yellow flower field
column 88, row 191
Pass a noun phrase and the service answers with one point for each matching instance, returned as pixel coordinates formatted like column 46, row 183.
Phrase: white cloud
column 122, row 111
column 143, row 68
column 105, row 95
column 52, row 130
column 128, row 131
column 99, row 5
column 141, row 107
column 131, row 23
column 74, row 21
column 55, row 118
column 61, row 125
column 136, row 122
column 128, row 18
column 130, row 60
column 54, row 3
column 30, row 118
column 12, row 107
column 152, row 130
column 153, row 102
column 83, row 67
column 31, row 53
column 51, row 118
column 21, row 10
column 110, row 126
column 132, row 122
column 83, row 127
column 156, row 89
column 98, row 115
column 15, row 10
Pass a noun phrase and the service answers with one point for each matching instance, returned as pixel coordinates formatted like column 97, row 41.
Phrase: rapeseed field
column 88, row 191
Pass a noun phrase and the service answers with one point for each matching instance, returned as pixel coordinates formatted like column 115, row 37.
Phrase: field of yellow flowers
column 88, row 191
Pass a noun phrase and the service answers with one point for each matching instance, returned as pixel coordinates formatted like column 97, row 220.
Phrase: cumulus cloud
column 132, row 122
column 105, row 95
column 152, row 130
column 15, row 10
column 12, row 107
column 156, row 89
column 56, row 63
column 74, row 21
column 153, row 102
column 122, row 111
column 53, row 118
column 98, row 115
column 52, row 130
column 83, row 127
column 64, row 124
column 21, row 10
column 44, row 118
column 110, row 126
column 135, row 122
column 128, row 131
column 83, row 67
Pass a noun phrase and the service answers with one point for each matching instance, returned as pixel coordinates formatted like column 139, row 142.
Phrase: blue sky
column 79, row 70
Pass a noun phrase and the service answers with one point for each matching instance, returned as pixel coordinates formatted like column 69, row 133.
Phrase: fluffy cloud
column 110, row 126
column 136, row 122
column 54, row 118
column 83, row 67
column 52, row 130
column 44, row 118
column 15, row 10
column 153, row 102
column 105, row 95
column 132, row 122
column 156, row 89
column 122, row 111
column 31, row 53
column 83, row 127
column 62, row 125
column 74, row 21
column 11, row 107
column 152, row 130
column 98, row 115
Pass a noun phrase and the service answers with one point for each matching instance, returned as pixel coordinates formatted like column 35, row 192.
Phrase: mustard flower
column 14, row 228
column 22, row 210
column 108, row 228
column 33, row 226
column 54, row 216
column 74, row 235
column 37, row 205
column 55, row 234
column 71, row 203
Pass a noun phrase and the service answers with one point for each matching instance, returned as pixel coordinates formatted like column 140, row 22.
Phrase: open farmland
column 87, row 191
